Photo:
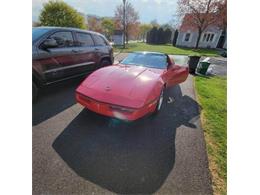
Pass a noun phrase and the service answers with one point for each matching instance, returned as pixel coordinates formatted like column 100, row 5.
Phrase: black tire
column 104, row 62
column 159, row 103
column 34, row 92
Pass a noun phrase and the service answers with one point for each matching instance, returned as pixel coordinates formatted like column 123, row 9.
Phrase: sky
column 161, row 10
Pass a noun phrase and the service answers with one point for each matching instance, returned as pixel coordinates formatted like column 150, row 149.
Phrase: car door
column 85, row 56
column 102, row 48
column 175, row 74
column 57, row 61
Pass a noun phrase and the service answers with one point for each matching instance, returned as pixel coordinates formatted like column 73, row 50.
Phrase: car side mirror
column 49, row 43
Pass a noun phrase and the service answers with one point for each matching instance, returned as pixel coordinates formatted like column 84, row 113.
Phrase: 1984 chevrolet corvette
column 133, row 88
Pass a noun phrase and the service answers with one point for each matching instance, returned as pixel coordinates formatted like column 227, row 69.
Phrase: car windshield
column 38, row 32
column 151, row 60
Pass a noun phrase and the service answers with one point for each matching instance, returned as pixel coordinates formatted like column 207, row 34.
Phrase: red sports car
column 133, row 88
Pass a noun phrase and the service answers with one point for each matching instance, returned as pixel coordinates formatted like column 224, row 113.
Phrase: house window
column 211, row 37
column 208, row 37
column 204, row 37
column 187, row 37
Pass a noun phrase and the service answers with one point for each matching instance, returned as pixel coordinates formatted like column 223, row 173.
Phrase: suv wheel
column 34, row 92
column 104, row 62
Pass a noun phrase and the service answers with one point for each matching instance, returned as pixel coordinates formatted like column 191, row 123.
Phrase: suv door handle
column 96, row 49
column 76, row 51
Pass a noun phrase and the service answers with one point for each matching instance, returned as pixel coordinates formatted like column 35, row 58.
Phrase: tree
column 160, row 36
column 175, row 36
column 132, row 18
column 152, row 36
column 154, row 23
column 144, row 28
column 199, row 13
column 167, row 26
column 94, row 24
column 222, row 14
column 175, row 21
column 167, row 35
column 134, row 31
column 58, row 13
column 108, row 27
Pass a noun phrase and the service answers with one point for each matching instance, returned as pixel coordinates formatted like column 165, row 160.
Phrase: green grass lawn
column 212, row 96
column 169, row 49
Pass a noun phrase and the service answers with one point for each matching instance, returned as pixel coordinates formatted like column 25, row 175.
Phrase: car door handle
column 76, row 51
column 96, row 49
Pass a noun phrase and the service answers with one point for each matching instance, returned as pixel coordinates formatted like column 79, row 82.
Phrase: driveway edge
column 205, row 142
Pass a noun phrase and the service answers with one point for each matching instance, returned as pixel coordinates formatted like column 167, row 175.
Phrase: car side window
column 63, row 39
column 84, row 39
column 99, row 41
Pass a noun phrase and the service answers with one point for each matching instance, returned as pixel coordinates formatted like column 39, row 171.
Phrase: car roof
column 67, row 28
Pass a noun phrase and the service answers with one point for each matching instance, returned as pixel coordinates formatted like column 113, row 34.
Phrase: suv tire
column 104, row 62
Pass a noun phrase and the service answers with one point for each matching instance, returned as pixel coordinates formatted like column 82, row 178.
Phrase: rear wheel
column 104, row 62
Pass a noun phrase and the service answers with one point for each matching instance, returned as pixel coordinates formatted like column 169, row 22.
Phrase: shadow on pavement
column 54, row 99
column 126, row 157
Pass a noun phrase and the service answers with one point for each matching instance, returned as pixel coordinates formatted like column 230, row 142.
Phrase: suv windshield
column 151, row 60
column 38, row 32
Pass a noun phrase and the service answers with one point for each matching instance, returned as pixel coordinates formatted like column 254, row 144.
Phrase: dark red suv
column 61, row 53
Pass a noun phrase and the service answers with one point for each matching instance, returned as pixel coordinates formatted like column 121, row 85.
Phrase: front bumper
column 114, row 111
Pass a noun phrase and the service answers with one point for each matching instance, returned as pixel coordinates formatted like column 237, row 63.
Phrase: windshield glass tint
column 151, row 60
column 38, row 32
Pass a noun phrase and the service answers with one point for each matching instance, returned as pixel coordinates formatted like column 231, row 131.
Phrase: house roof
column 189, row 23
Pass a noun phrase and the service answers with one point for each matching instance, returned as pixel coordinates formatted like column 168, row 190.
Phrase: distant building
column 35, row 24
column 212, row 37
column 117, row 37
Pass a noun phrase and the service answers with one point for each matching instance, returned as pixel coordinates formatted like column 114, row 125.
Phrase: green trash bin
column 203, row 66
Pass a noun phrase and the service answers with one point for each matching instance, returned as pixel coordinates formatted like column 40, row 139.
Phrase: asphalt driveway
column 80, row 152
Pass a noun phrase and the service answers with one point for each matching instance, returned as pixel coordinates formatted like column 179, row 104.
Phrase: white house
column 117, row 37
column 212, row 37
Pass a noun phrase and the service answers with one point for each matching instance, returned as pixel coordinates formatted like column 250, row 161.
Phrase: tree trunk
column 126, row 38
column 198, row 39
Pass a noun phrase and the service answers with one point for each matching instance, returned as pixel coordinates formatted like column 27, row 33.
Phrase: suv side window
column 99, row 41
column 84, row 39
column 64, row 39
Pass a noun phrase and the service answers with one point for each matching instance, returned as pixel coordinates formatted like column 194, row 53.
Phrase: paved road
column 80, row 152
column 218, row 66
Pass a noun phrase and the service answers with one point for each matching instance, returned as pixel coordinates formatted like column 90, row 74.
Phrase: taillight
column 81, row 97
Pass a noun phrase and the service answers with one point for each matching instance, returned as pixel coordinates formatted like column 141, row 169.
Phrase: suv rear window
column 63, row 38
column 99, row 41
column 84, row 39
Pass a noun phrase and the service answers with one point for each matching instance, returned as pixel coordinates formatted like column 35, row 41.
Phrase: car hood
column 122, row 85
